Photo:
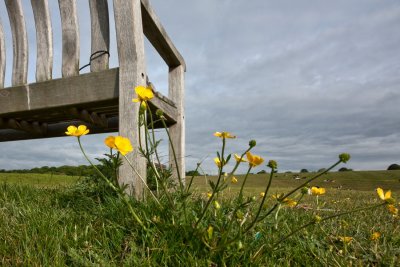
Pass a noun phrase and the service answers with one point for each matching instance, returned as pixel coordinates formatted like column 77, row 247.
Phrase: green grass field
column 352, row 180
column 54, row 221
column 38, row 180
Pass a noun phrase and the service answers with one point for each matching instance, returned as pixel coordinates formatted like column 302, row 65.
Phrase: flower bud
column 143, row 106
column 344, row 157
column 305, row 190
column 272, row 164
column 252, row 143
column 159, row 113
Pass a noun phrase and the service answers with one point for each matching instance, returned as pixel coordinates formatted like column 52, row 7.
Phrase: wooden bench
column 100, row 99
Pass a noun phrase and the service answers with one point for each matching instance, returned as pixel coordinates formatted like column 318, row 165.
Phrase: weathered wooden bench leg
column 177, row 131
column 130, row 42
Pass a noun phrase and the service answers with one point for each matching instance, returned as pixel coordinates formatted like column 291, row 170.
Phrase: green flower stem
column 154, row 169
column 174, row 154
column 262, row 202
column 176, row 166
column 123, row 196
column 238, row 163
column 153, row 135
column 141, row 178
column 276, row 216
column 240, row 197
column 216, row 186
column 191, row 179
column 324, row 219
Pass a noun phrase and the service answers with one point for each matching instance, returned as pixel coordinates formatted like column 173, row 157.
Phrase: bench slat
column 100, row 30
column 20, row 42
column 70, row 38
column 100, row 88
column 44, row 40
column 2, row 57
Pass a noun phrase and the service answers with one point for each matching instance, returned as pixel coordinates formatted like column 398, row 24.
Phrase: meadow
column 63, row 220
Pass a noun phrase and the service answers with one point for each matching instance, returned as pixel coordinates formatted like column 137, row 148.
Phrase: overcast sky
column 306, row 79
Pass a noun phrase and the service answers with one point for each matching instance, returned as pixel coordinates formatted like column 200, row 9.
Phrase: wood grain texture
column 159, row 38
column 176, row 92
column 44, row 40
column 2, row 57
column 100, row 30
column 20, row 41
column 70, row 38
column 130, row 43
column 100, row 87
column 53, row 130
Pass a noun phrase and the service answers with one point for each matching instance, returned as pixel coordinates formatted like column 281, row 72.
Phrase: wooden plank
column 2, row 57
column 99, row 86
column 176, row 92
column 130, row 43
column 101, row 89
column 34, row 128
column 100, row 30
column 20, row 41
column 44, row 40
column 158, row 37
column 55, row 130
column 70, row 38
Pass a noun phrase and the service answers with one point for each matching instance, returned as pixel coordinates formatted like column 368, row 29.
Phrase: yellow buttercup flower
column 254, row 160
column 73, row 131
column 393, row 210
column 123, row 145
column 239, row 159
column 209, row 195
column 143, row 94
column 234, row 180
column 217, row 206
column 262, row 194
column 345, row 239
column 224, row 135
column 375, row 236
column 110, row 142
column 218, row 162
column 289, row 202
column 384, row 196
column 316, row 191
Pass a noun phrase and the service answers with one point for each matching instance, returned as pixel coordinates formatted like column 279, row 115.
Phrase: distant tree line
column 81, row 170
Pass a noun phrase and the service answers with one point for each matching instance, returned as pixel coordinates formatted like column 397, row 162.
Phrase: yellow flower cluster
column 122, row 144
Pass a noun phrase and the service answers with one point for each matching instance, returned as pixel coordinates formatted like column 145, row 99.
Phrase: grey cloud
column 306, row 79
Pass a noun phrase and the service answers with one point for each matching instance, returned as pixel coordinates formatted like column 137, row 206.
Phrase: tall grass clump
column 173, row 224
